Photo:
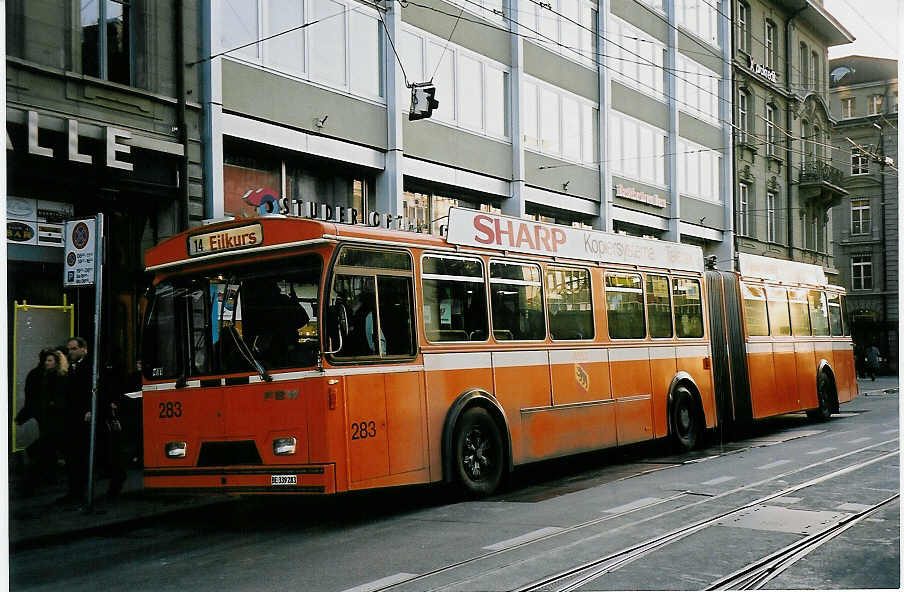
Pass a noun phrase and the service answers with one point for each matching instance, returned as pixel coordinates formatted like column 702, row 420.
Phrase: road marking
column 382, row 583
column 718, row 480
column 536, row 534
column 892, row 431
column 644, row 501
column 852, row 507
column 772, row 465
column 859, row 440
column 822, row 450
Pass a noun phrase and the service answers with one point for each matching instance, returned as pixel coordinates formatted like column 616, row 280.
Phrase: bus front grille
column 220, row 454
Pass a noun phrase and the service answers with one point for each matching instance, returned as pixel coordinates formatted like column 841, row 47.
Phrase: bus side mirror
column 337, row 327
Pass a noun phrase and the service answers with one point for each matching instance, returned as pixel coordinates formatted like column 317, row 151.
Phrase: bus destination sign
column 780, row 270
column 479, row 229
column 228, row 239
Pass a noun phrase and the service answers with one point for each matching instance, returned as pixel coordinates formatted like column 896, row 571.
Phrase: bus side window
column 624, row 306
column 659, row 305
column 835, row 314
column 455, row 299
column 688, row 308
column 845, row 316
column 568, row 303
column 800, row 312
column 779, row 321
column 517, row 300
column 756, row 319
column 819, row 316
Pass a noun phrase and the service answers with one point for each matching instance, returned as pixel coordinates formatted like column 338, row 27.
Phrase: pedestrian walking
column 45, row 392
column 872, row 361
column 78, row 417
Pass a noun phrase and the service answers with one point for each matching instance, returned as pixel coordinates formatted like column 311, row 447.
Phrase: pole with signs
column 84, row 267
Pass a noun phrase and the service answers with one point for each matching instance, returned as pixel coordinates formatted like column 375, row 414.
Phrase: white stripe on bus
column 759, row 347
column 509, row 359
column 457, row 361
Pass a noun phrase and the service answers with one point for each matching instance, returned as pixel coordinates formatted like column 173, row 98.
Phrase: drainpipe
column 184, row 221
column 788, row 139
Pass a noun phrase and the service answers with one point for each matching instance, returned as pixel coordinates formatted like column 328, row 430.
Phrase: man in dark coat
column 78, row 417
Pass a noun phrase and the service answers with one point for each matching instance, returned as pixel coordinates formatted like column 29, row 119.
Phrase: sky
column 875, row 24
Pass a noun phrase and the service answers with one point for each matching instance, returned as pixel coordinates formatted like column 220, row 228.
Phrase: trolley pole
column 95, row 362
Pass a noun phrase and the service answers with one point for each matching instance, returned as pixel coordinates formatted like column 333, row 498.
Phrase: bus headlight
column 175, row 449
column 284, row 446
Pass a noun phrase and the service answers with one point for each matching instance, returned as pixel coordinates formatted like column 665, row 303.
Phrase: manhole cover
column 780, row 519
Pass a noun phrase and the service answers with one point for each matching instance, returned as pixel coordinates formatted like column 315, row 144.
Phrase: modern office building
column 101, row 118
column 864, row 100
column 612, row 115
column 785, row 188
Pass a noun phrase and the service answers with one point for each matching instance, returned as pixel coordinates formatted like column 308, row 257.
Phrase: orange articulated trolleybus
column 288, row 354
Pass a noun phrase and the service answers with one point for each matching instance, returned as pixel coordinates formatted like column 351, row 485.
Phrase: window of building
column 472, row 89
column 688, row 308
column 804, row 66
column 699, row 170
column 636, row 58
column 859, row 162
column 559, row 123
column 700, row 17
column 769, row 44
column 875, row 104
column 756, row 319
column 624, row 306
column 770, row 130
column 567, row 27
column 568, row 303
column 743, row 115
column 455, row 301
column 835, row 325
column 743, row 209
column 820, row 223
column 819, row 315
column 116, row 52
column 805, row 142
column 427, row 211
column 800, row 312
column 636, row 149
column 516, row 296
column 847, row 108
column 860, row 216
column 743, row 27
column 770, row 216
column 862, row 272
column 817, row 143
column 814, row 70
column 342, row 51
column 779, row 317
column 659, row 306
column 374, row 287
column 697, row 89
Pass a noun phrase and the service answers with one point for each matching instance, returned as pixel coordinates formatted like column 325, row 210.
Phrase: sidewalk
column 36, row 520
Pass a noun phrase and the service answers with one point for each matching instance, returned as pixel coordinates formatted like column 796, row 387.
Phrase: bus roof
column 469, row 228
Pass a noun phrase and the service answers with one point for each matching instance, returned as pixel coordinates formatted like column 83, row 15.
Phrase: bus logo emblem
column 581, row 376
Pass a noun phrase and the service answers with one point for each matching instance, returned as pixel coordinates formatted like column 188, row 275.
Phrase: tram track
column 578, row 576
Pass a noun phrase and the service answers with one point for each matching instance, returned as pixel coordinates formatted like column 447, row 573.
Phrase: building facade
column 864, row 101
column 101, row 118
column 785, row 187
column 612, row 115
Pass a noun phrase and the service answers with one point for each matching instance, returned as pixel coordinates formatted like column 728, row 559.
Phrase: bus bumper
column 305, row 479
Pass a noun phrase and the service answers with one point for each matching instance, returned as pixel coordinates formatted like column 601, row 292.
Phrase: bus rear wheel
column 686, row 423
column 478, row 453
column 824, row 393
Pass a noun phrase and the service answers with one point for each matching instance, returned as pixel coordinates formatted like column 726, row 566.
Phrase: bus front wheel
column 478, row 452
column 824, row 392
column 686, row 424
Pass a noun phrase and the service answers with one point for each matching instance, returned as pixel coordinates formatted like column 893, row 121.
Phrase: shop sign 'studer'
column 479, row 229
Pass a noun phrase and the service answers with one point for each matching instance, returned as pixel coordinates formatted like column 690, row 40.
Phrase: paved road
column 819, row 497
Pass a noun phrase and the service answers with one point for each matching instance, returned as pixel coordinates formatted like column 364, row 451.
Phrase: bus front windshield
column 234, row 320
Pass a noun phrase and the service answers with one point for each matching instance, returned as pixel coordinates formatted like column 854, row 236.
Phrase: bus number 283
column 363, row 429
column 170, row 409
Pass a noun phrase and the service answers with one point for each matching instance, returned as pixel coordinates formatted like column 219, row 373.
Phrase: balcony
column 821, row 182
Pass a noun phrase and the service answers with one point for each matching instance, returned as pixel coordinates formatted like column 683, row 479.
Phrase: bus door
column 784, row 358
column 629, row 364
column 371, row 338
column 843, row 350
column 803, row 348
column 822, row 342
column 759, row 352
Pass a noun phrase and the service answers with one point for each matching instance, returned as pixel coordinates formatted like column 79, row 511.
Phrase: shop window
column 800, row 312
column 688, row 308
column 242, row 174
column 517, row 302
column 455, row 301
column 779, row 316
column 819, row 316
column 624, row 306
column 568, row 303
column 756, row 319
column 659, row 306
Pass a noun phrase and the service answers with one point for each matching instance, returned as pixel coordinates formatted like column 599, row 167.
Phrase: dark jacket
column 45, row 401
column 78, row 399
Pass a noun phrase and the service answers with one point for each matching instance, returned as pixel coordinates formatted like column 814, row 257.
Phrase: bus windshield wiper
column 236, row 336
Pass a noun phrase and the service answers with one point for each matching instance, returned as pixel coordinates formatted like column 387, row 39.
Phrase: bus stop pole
column 95, row 362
